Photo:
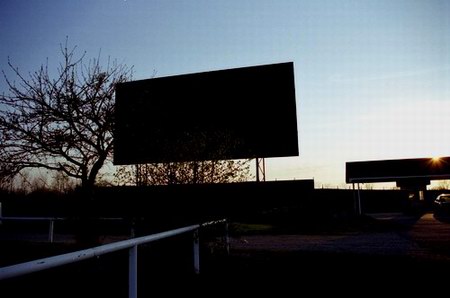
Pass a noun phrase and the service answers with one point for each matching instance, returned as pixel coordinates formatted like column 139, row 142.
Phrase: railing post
column 227, row 237
column 51, row 227
column 196, row 252
column 132, row 229
column 132, row 272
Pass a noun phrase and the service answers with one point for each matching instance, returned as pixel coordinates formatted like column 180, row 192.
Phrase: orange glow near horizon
column 435, row 158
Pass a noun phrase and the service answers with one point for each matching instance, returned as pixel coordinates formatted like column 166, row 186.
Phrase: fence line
column 131, row 244
column 51, row 222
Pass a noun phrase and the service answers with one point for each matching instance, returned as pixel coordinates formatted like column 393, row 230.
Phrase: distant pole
column 137, row 175
column 195, row 172
column 359, row 202
column 51, row 228
column 354, row 195
column 227, row 237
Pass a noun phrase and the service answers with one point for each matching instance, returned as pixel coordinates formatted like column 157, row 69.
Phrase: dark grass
column 255, row 273
column 104, row 276
column 166, row 267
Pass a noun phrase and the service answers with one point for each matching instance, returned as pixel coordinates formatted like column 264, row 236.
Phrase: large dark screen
column 228, row 114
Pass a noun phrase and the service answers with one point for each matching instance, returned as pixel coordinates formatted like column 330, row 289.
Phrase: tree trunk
column 95, row 169
column 87, row 233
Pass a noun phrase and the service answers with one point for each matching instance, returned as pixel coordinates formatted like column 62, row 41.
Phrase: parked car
column 441, row 204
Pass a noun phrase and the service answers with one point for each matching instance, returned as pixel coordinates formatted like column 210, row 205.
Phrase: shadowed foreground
column 386, row 256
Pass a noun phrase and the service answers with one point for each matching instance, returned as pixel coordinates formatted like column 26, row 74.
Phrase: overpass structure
column 410, row 174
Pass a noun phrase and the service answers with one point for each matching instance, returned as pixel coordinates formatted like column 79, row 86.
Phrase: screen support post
column 260, row 169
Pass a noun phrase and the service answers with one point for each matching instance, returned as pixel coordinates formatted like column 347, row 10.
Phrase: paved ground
column 402, row 255
column 432, row 235
column 403, row 235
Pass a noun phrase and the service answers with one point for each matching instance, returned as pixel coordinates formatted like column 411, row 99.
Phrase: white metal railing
column 130, row 244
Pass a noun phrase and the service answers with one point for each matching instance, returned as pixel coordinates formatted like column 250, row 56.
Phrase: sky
column 372, row 78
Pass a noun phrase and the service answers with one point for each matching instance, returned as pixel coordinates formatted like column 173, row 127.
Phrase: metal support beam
column 357, row 199
column 260, row 169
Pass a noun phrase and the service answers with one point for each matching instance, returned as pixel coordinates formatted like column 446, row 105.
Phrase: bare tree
column 215, row 171
column 62, row 122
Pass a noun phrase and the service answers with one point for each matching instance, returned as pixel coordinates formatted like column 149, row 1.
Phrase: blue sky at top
column 372, row 77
